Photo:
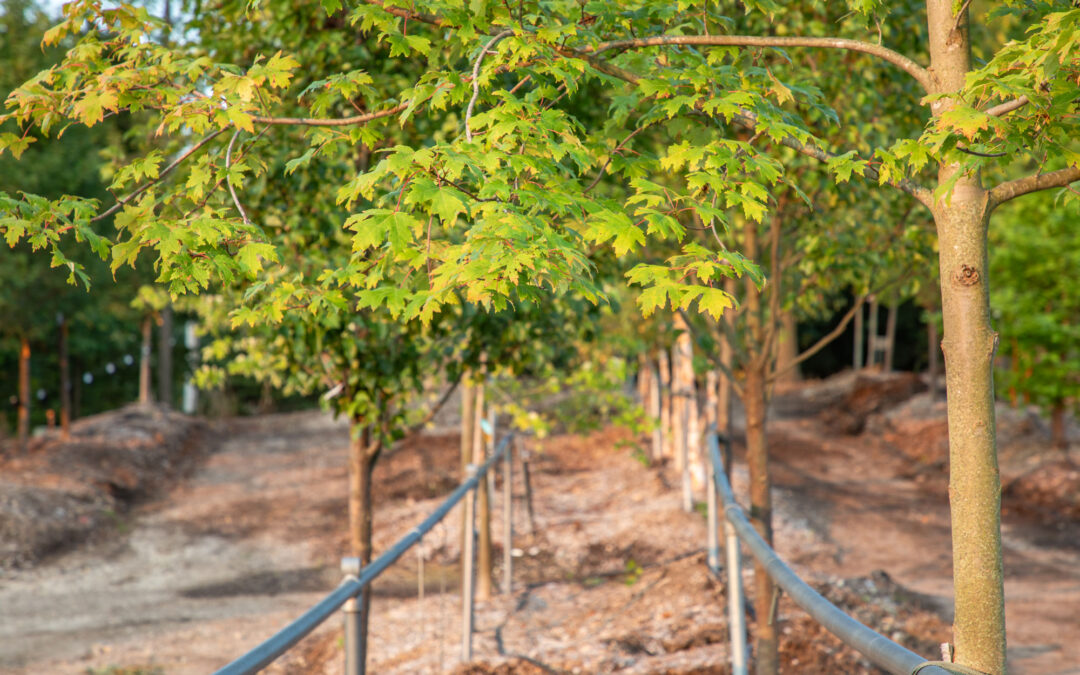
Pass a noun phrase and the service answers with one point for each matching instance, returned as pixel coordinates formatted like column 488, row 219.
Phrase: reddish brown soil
column 612, row 579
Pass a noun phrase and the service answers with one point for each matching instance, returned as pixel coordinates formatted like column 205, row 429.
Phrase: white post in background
column 191, row 393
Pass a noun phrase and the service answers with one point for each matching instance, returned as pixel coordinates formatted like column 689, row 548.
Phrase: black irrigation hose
column 264, row 654
column 883, row 652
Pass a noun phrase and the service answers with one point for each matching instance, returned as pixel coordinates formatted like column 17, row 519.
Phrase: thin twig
column 228, row 183
column 476, row 78
column 960, row 15
column 161, row 175
column 614, row 152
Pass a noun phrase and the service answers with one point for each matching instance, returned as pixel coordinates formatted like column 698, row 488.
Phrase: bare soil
column 612, row 579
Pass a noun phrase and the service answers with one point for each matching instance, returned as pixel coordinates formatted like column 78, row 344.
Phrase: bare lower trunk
column 363, row 451
column 787, row 350
column 165, row 379
column 678, row 411
column 757, row 459
column 857, row 358
column 24, row 392
column 969, row 345
column 484, row 558
column 65, row 381
column 872, row 333
column 690, row 415
column 1057, row 427
column 890, row 338
column 145, row 395
column 655, row 403
column 665, row 404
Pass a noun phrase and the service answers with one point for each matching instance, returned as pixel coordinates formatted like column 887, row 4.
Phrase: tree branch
column 416, row 428
column 334, row 122
column 749, row 120
column 1007, row 107
column 895, row 58
column 161, row 175
column 476, row 78
column 1042, row 181
column 820, row 344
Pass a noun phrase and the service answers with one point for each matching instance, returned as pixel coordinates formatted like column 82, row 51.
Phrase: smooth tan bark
column 757, row 458
column 787, row 349
column 766, row 647
column 691, row 416
column 678, row 410
column 666, row 432
column 165, row 368
column 24, row 392
column 872, row 334
column 65, row 381
column 655, row 404
column 145, row 395
column 969, row 346
column 857, row 359
column 363, row 450
column 890, row 338
column 484, row 581
column 1057, row 427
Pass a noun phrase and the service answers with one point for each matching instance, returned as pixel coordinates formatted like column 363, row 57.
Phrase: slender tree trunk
column 727, row 360
column 165, row 379
column 484, row 582
column 787, row 349
column 1057, row 426
column 857, row 358
column 24, row 392
column 691, row 415
column 766, row 647
column 468, row 421
column 65, row 381
column 890, row 337
column 678, row 410
column 665, row 404
column 757, row 458
column 643, row 380
column 363, row 451
column 872, row 334
column 969, row 345
column 655, row 404
column 145, row 395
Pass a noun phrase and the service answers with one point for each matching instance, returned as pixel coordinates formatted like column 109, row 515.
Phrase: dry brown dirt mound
column 1051, row 491
column 58, row 493
column 871, row 394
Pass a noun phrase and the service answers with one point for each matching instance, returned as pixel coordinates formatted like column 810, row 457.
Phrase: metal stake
column 355, row 658
column 468, row 569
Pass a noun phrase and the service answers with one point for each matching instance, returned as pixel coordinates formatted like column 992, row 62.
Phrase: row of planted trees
column 354, row 186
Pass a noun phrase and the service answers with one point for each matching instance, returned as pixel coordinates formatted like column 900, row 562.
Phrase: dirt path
column 612, row 580
column 871, row 507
